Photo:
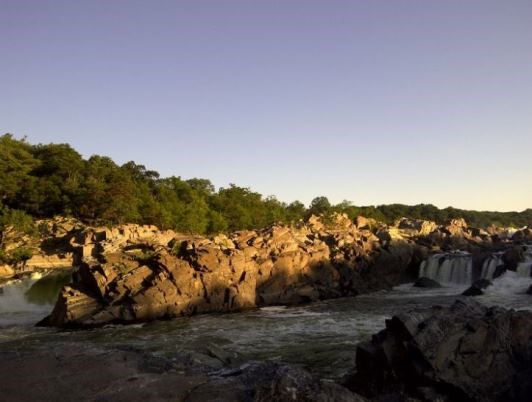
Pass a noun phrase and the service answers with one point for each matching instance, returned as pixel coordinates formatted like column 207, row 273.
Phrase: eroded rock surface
column 141, row 278
column 466, row 352
column 134, row 273
column 90, row 374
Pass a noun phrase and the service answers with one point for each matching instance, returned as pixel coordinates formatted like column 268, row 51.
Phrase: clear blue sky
column 370, row 101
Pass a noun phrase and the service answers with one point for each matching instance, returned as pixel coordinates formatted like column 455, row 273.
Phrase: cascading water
column 490, row 265
column 28, row 300
column 524, row 268
column 454, row 268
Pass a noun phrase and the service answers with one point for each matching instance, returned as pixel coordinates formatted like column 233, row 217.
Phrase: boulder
column 512, row 257
column 501, row 269
column 476, row 288
column 362, row 222
column 315, row 224
column 6, row 271
column 425, row 282
column 465, row 352
column 416, row 226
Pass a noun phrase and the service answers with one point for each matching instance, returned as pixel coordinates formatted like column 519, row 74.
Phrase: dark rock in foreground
column 466, row 352
column 89, row 374
column 476, row 289
column 529, row 291
column 425, row 282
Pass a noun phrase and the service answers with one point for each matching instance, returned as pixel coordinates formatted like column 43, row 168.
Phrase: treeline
column 53, row 179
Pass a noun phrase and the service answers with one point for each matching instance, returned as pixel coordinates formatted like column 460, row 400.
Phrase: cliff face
column 137, row 273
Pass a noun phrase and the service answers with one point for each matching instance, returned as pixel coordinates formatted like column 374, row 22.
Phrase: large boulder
column 418, row 227
column 476, row 289
column 6, row 271
column 425, row 282
column 466, row 352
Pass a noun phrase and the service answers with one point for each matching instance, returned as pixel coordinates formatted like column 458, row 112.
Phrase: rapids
column 321, row 337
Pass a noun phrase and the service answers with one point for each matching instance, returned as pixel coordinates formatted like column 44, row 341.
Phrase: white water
column 15, row 308
column 448, row 268
column 509, row 290
column 490, row 265
column 320, row 336
column 524, row 268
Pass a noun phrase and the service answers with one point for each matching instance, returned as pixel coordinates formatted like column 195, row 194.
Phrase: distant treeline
column 46, row 180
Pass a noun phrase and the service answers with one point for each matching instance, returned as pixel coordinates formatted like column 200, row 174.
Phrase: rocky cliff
column 466, row 352
column 138, row 273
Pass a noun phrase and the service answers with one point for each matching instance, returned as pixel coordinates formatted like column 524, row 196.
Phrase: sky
column 375, row 102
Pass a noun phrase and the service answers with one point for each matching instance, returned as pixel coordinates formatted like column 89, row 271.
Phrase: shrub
column 20, row 254
column 19, row 220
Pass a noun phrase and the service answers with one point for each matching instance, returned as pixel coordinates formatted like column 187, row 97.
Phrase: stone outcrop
column 425, row 282
column 466, row 352
column 134, row 273
column 6, row 271
column 127, row 277
column 476, row 289
column 54, row 261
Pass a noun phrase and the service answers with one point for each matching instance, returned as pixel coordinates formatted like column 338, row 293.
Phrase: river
column 320, row 337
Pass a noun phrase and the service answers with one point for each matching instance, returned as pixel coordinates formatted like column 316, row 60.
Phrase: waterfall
column 490, row 265
column 448, row 268
column 28, row 300
column 524, row 268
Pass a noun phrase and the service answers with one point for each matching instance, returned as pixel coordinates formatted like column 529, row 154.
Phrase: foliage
column 17, row 219
column 20, row 254
column 38, row 181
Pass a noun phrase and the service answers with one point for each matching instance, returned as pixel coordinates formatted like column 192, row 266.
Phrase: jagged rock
column 476, row 288
column 425, row 282
column 141, row 281
column 501, row 269
column 84, row 373
column 315, row 224
column 417, row 227
column 135, row 273
column 72, row 308
column 6, row 271
column 512, row 257
column 465, row 352
column 362, row 222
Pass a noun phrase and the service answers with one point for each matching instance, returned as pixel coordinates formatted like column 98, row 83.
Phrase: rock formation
column 90, row 374
column 476, row 289
column 134, row 273
column 466, row 352
column 425, row 282
column 139, row 274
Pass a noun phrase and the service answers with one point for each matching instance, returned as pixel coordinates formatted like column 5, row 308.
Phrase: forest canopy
column 45, row 180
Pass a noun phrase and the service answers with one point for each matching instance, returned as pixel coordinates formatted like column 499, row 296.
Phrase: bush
column 19, row 220
column 4, row 259
column 20, row 254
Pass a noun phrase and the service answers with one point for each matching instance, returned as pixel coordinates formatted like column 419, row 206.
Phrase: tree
column 319, row 206
column 16, row 163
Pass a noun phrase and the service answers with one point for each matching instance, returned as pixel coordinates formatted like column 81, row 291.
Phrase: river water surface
column 320, row 337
